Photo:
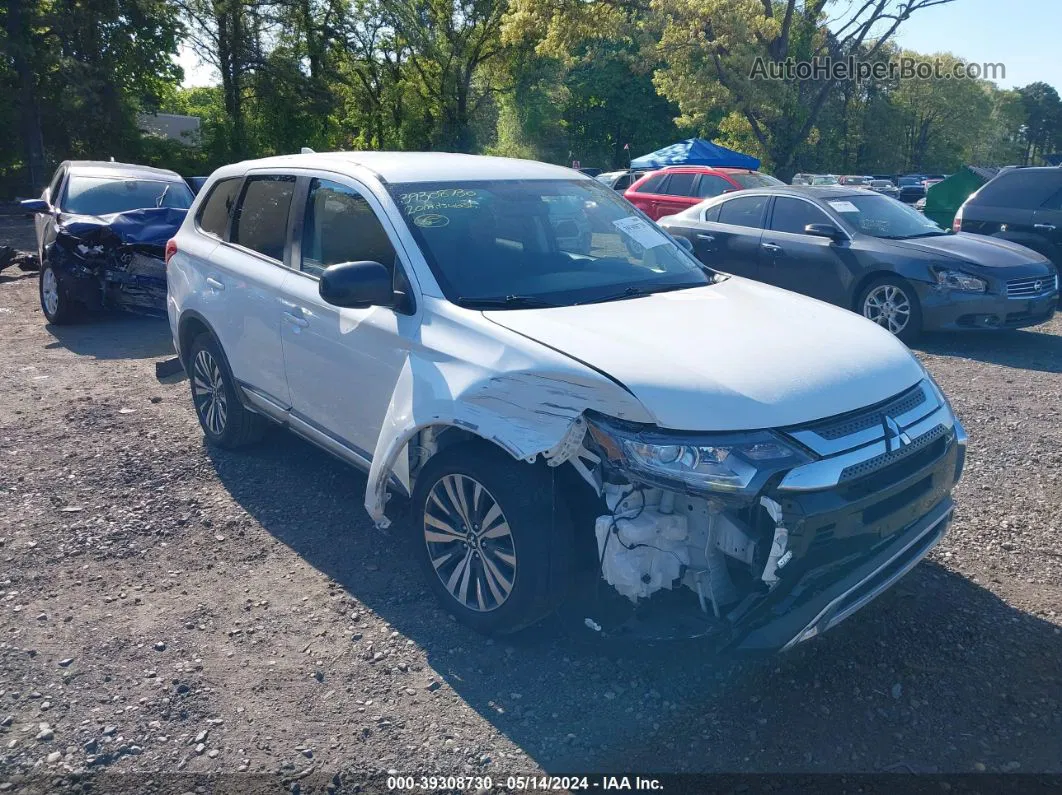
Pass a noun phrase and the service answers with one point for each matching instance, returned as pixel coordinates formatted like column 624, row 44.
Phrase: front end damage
column 115, row 261
column 765, row 557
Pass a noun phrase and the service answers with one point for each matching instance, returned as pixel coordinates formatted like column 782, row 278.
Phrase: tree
column 1043, row 121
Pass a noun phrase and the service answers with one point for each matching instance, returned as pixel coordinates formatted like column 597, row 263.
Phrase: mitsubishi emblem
column 894, row 437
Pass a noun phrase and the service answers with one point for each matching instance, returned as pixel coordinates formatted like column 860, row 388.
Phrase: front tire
column 492, row 536
column 58, row 307
column 223, row 418
column 892, row 303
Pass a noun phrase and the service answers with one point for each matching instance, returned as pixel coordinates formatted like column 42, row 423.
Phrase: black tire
column 912, row 326
column 56, row 304
column 222, row 416
column 539, row 538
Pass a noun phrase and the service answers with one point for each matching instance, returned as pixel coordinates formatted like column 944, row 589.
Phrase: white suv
column 755, row 464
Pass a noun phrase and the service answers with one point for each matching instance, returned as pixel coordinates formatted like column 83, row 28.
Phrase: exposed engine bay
column 116, row 260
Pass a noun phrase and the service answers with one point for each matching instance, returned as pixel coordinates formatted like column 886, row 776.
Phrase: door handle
column 214, row 284
column 706, row 238
column 295, row 320
column 771, row 248
column 1045, row 227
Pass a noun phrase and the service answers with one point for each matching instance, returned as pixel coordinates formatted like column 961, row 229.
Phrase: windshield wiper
column 508, row 302
column 637, row 292
column 162, row 196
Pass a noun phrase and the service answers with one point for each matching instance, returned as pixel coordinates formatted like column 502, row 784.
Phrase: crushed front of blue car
column 115, row 261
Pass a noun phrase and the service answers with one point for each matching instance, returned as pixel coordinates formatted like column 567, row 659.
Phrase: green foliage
column 555, row 80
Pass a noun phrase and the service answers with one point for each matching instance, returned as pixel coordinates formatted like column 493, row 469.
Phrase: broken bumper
column 861, row 586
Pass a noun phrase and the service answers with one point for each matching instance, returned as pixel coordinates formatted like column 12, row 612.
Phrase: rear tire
column 56, row 304
column 222, row 416
column 493, row 537
column 892, row 303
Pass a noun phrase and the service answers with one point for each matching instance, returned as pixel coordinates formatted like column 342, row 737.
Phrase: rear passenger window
column 743, row 211
column 652, row 185
column 261, row 222
column 680, row 185
column 341, row 226
column 215, row 212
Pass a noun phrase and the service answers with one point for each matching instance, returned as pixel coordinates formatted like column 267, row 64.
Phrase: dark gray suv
column 1023, row 205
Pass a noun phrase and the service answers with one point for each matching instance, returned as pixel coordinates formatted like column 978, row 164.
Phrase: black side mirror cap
column 35, row 206
column 684, row 242
column 823, row 230
column 357, row 285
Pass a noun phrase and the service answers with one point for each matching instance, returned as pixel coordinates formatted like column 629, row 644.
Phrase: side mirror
column 35, row 206
column 823, row 230
column 357, row 285
column 684, row 242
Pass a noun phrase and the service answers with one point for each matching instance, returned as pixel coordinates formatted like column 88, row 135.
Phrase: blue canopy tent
column 696, row 152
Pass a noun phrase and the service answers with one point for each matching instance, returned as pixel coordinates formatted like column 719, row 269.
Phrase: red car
column 671, row 190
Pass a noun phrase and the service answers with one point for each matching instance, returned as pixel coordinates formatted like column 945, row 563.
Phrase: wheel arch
column 190, row 326
column 872, row 276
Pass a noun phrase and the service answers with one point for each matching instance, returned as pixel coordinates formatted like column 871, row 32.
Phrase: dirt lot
column 165, row 607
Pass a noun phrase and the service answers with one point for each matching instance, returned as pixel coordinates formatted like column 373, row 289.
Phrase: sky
column 1023, row 35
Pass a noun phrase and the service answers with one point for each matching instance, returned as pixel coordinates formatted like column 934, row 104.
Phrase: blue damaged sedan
column 102, row 229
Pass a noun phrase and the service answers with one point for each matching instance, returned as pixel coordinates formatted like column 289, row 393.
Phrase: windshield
column 824, row 180
column 880, row 216
column 881, row 183
column 519, row 243
column 755, row 180
column 908, row 181
column 107, row 195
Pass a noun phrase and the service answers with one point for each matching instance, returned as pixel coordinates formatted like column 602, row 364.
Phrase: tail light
column 171, row 249
column 956, row 224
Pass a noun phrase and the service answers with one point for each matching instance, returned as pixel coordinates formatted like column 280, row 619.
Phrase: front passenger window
column 340, row 226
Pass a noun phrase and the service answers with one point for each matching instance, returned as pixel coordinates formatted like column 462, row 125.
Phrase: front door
column 342, row 364
column 794, row 260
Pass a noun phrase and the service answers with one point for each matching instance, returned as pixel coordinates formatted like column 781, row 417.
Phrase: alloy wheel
column 50, row 291
column 208, row 387
column 889, row 307
column 469, row 543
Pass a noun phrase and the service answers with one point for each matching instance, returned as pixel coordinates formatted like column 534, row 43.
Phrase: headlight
column 735, row 463
column 957, row 280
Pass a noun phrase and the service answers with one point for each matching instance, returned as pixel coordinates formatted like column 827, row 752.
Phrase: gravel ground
column 165, row 607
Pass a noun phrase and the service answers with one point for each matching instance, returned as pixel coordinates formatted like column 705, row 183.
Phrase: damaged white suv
column 555, row 392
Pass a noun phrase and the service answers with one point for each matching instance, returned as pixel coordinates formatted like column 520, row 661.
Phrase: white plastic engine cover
column 647, row 550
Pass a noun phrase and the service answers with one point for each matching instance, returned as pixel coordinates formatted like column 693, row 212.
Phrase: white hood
column 737, row 355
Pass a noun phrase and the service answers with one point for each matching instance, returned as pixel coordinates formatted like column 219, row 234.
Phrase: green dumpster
column 945, row 198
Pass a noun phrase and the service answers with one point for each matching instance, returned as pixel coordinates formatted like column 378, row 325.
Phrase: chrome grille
column 837, row 428
column 856, row 445
column 1032, row 287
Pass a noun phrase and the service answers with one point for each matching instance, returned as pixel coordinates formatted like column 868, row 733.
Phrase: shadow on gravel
column 937, row 675
column 114, row 335
column 1023, row 349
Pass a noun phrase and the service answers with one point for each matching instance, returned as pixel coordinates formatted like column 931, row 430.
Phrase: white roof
column 398, row 167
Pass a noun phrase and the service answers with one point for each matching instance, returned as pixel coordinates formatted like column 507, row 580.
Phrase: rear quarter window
column 215, row 212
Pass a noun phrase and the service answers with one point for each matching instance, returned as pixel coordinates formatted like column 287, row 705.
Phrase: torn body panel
column 115, row 260
column 500, row 387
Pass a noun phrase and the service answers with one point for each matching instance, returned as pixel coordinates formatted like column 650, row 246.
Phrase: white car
column 753, row 464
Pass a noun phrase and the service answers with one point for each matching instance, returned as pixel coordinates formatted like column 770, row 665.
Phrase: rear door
column 242, row 282
column 735, row 238
column 796, row 261
column 678, row 193
column 645, row 196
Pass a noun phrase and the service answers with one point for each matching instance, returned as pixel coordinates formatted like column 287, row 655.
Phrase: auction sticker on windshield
column 844, row 207
column 640, row 231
